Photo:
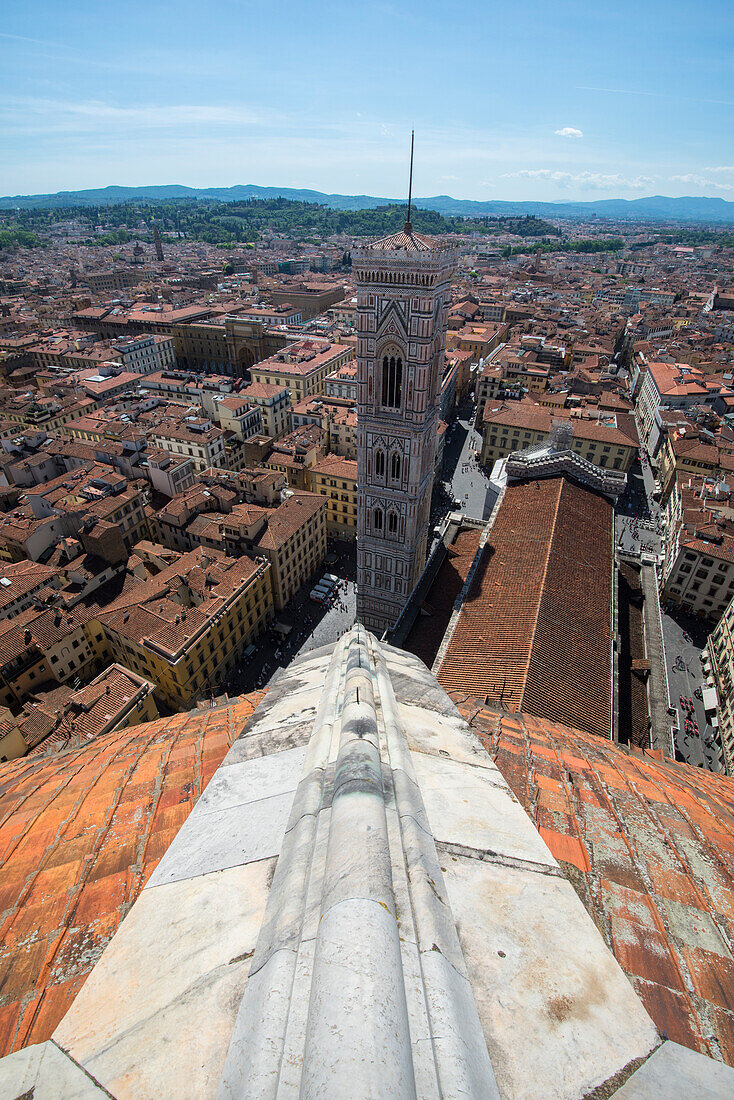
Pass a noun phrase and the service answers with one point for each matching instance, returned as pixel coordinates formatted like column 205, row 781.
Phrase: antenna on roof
column 408, row 225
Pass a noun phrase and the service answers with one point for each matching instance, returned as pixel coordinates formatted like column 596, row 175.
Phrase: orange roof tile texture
column 81, row 831
column 648, row 845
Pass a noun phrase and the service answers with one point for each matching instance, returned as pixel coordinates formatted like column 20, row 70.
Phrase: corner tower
column 403, row 287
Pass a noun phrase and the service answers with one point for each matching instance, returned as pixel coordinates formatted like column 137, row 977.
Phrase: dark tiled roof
column 535, row 629
column 81, row 831
column 649, row 847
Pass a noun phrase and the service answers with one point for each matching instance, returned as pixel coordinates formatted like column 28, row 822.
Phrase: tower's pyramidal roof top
column 405, row 240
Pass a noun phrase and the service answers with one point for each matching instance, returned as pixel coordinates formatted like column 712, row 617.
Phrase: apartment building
column 337, row 416
column 146, row 354
column 342, row 383
column 284, row 314
column 302, row 367
column 522, row 424
column 20, row 584
column 274, row 403
column 107, row 282
column 491, row 384
column 295, row 454
column 492, row 311
column 87, row 495
column 478, row 340
column 310, row 299
column 674, row 386
column 169, row 473
column 47, row 413
column 40, row 646
column 62, row 717
column 294, row 543
column 697, row 573
column 689, row 455
column 336, row 479
column 192, row 436
column 238, row 415
column 720, row 654
column 185, row 627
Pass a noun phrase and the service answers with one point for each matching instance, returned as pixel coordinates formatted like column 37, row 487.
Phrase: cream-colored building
column 521, row 424
column 274, row 402
column 302, row 367
column 720, row 653
column 294, row 543
column 186, row 627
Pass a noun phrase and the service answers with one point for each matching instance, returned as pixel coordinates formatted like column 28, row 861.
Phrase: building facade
column 403, row 284
column 336, row 478
column 719, row 656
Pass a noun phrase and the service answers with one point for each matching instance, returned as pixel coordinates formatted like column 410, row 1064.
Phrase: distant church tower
column 158, row 245
column 403, row 288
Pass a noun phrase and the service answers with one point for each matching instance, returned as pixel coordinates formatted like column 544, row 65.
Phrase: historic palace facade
column 403, row 284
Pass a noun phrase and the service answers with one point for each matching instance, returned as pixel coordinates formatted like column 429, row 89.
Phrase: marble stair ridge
column 358, row 927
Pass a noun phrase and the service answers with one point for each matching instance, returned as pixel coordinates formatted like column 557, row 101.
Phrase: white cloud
column 720, row 168
column 569, row 131
column 30, row 115
column 701, row 181
column 595, row 181
column 35, row 41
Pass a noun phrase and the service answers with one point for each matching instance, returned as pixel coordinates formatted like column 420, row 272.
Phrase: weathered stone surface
column 44, row 1072
column 155, row 1016
column 225, row 838
column 677, row 1073
column 558, row 1013
column 241, row 817
column 474, row 807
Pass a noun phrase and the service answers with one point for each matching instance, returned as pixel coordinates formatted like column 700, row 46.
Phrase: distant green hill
column 654, row 208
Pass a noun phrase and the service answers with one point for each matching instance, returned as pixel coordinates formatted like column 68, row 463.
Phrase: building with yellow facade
column 185, row 627
column 294, row 543
column 336, row 479
column 719, row 653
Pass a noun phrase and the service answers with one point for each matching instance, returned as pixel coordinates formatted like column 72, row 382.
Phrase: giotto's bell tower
column 403, row 287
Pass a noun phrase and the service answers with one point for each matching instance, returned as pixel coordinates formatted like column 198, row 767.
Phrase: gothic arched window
column 377, row 519
column 395, row 466
column 379, row 463
column 392, row 523
column 392, row 381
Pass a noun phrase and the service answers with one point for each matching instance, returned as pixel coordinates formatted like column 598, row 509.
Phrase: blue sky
column 563, row 99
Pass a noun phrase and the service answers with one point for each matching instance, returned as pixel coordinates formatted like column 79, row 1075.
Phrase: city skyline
column 511, row 104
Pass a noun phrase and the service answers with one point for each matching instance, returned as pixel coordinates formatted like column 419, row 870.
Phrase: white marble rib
column 358, row 986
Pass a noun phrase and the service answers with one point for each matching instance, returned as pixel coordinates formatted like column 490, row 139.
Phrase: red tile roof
column 81, row 831
column 535, row 629
column 649, row 847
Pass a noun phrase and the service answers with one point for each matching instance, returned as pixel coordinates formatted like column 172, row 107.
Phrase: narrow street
column 684, row 639
column 683, row 636
column 464, row 480
column 312, row 624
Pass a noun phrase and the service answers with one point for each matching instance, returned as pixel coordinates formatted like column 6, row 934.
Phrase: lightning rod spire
column 408, row 224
